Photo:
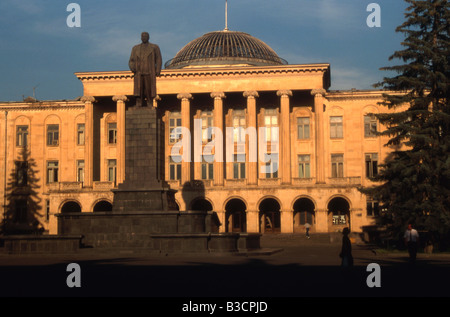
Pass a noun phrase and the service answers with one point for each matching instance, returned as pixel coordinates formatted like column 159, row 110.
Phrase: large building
column 64, row 156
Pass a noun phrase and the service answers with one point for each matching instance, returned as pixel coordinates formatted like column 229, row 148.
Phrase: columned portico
column 285, row 136
column 186, row 142
column 251, row 162
column 120, row 102
column 89, row 140
column 219, row 144
column 319, row 95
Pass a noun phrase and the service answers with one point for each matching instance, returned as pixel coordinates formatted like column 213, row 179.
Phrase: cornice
column 41, row 106
column 211, row 72
column 359, row 94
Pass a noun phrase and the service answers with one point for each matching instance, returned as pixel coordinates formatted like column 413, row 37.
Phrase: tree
column 415, row 178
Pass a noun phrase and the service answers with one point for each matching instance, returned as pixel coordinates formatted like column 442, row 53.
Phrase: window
column 372, row 208
column 370, row 126
column 52, row 171
column 80, row 134
column 271, row 124
column 112, row 133
column 208, row 167
column 306, row 217
column 22, row 135
column 21, row 173
column 336, row 128
column 175, row 168
column 304, row 166
column 53, row 134
column 80, row 171
column 239, row 166
column 271, row 166
column 47, row 210
column 112, row 171
column 339, row 218
column 303, row 128
column 174, row 127
column 371, row 165
column 337, row 165
column 239, row 126
column 207, row 123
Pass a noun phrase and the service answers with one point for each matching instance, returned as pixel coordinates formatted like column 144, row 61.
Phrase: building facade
column 316, row 149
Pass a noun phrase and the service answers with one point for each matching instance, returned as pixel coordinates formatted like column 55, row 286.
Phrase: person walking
column 346, row 251
column 411, row 240
column 307, row 226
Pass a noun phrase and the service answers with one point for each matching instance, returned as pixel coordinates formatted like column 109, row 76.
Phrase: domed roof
column 225, row 48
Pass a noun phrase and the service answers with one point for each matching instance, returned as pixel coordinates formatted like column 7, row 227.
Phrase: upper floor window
column 174, row 127
column 336, row 128
column 370, row 126
column 22, row 135
column 80, row 134
column 337, row 165
column 207, row 124
column 175, row 168
column 271, row 165
column 53, row 134
column 80, row 171
column 208, row 167
column 52, row 171
column 112, row 133
column 112, row 171
column 371, row 165
column 271, row 125
column 304, row 166
column 21, row 173
column 239, row 125
column 239, row 166
column 303, row 126
column 372, row 208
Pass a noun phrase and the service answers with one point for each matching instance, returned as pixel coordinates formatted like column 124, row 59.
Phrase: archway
column 70, row 206
column 338, row 214
column 201, row 204
column 103, row 205
column 235, row 216
column 269, row 216
column 304, row 212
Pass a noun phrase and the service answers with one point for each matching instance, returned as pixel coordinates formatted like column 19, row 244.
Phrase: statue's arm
column 132, row 61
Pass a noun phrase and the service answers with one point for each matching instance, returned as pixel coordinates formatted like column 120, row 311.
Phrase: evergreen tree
column 415, row 178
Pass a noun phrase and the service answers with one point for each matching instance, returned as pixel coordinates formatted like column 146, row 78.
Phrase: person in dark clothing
column 346, row 251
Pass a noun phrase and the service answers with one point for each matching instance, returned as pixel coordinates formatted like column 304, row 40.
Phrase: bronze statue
column 145, row 62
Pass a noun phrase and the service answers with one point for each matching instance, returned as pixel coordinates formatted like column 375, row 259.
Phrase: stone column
column 219, row 144
column 89, row 140
column 284, row 163
column 252, row 167
column 319, row 95
column 186, row 123
column 120, row 101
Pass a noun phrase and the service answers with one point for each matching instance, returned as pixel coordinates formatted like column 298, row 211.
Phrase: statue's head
column 145, row 37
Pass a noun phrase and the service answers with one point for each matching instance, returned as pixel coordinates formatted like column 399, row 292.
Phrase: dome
column 225, row 48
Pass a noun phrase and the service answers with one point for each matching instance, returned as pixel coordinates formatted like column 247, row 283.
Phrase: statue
column 145, row 62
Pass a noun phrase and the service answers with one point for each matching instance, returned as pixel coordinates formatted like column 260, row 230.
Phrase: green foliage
column 415, row 177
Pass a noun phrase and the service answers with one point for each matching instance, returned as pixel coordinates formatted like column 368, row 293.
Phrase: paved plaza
column 294, row 267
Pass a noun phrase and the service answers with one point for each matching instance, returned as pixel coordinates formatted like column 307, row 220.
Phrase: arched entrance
column 71, row 206
column 269, row 216
column 235, row 216
column 201, row 204
column 338, row 214
column 103, row 205
column 304, row 212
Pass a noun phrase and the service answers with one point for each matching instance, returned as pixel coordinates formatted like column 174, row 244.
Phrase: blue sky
column 38, row 49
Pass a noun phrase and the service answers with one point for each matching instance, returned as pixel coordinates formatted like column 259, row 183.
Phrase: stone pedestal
column 144, row 188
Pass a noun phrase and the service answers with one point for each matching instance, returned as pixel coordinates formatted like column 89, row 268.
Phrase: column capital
column 251, row 94
column 120, row 98
column 218, row 95
column 88, row 99
column 184, row 96
column 318, row 92
column 284, row 93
